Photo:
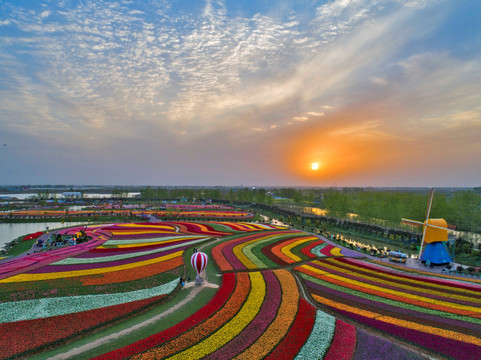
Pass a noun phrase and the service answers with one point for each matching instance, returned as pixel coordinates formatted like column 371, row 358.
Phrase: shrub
column 466, row 248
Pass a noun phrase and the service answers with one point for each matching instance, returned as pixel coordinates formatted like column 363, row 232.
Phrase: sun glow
column 315, row 166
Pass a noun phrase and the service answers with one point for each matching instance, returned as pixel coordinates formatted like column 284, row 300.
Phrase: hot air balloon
column 198, row 262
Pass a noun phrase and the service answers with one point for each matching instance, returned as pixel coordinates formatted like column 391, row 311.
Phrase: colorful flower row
column 136, row 253
column 23, row 337
column 200, row 228
column 131, row 250
column 418, row 272
column 131, row 263
column 417, row 279
column 270, row 249
column 201, row 207
column 32, row 236
column 442, row 317
column 204, row 213
column 63, row 213
column 257, row 315
column 16, row 266
column 244, row 226
column 138, row 230
column 55, row 306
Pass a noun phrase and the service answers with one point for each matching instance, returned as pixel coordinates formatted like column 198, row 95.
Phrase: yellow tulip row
column 332, row 264
column 67, row 274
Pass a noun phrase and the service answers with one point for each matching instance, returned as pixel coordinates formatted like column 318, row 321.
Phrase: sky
column 237, row 92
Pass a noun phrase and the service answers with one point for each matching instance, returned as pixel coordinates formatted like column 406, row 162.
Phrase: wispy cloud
column 102, row 73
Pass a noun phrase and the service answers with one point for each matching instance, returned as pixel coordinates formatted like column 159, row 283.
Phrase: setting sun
column 314, row 166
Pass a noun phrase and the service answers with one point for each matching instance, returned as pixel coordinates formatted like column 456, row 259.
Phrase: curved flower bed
column 420, row 272
column 32, row 236
column 139, row 230
column 204, row 213
column 16, row 266
column 200, row 228
column 435, row 314
column 275, row 248
column 244, row 226
column 129, row 262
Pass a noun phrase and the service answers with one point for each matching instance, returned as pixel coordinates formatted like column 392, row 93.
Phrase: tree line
column 382, row 207
column 462, row 208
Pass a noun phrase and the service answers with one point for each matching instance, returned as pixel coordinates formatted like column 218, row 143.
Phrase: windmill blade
column 440, row 227
column 411, row 222
column 430, row 203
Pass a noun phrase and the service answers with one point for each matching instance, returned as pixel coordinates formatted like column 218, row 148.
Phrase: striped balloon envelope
column 199, row 261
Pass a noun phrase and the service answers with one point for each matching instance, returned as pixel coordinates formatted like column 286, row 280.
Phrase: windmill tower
column 435, row 232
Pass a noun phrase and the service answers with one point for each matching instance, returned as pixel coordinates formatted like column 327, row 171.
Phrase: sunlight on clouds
column 351, row 84
column 359, row 130
column 301, row 118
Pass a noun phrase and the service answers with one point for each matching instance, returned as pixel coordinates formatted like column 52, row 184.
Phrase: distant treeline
column 460, row 208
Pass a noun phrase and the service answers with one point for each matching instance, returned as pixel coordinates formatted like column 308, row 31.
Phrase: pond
column 11, row 231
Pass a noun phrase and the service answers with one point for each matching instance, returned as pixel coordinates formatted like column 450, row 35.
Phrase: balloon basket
column 198, row 280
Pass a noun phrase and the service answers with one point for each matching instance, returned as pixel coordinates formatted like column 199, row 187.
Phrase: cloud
column 104, row 73
column 44, row 14
column 301, row 118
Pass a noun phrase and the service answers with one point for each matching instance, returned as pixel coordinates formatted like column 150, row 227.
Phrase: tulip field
column 440, row 315
column 270, row 250
column 259, row 315
column 283, row 294
column 173, row 211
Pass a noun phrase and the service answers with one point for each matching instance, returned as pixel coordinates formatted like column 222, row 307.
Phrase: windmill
column 435, row 232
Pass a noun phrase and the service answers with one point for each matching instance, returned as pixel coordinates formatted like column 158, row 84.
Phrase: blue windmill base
column 436, row 253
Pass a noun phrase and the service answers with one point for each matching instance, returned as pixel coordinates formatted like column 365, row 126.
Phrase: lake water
column 9, row 232
column 24, row 196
